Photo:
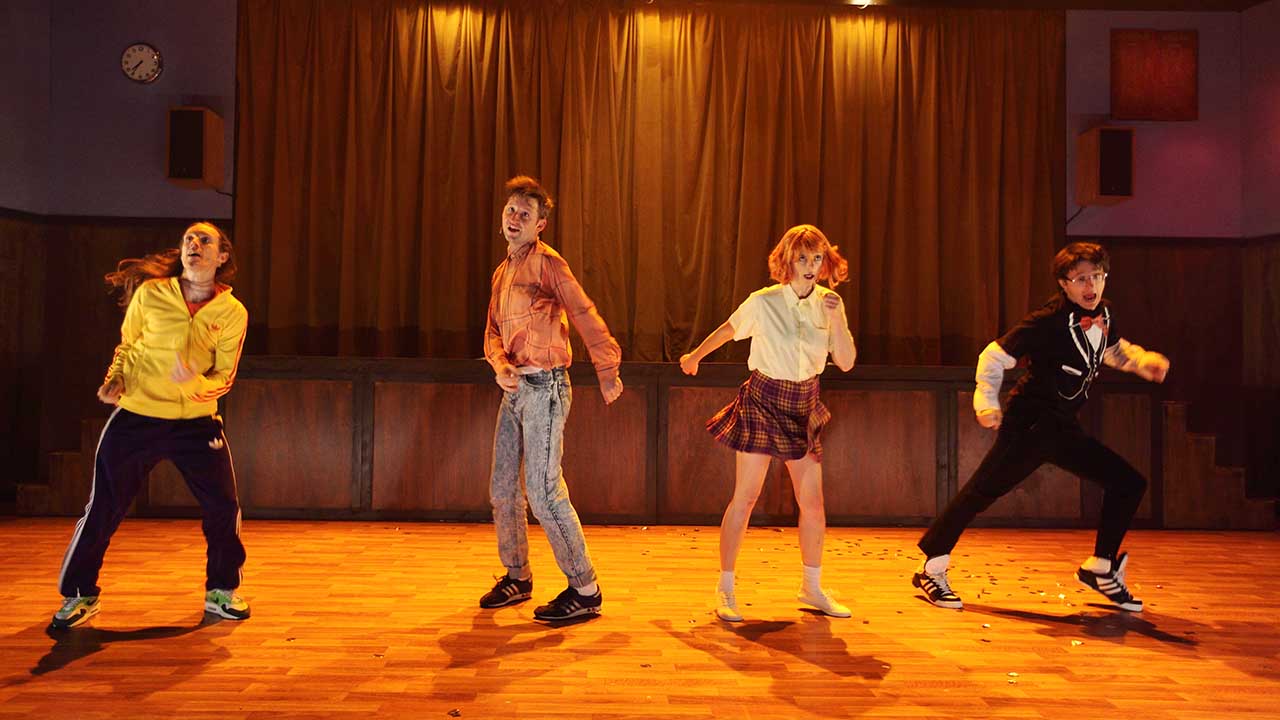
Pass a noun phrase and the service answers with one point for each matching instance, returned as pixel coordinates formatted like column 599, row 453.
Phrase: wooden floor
column 363, row 619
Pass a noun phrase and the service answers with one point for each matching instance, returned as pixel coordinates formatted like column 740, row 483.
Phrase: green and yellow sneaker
column 75, row 611
column 227, row 604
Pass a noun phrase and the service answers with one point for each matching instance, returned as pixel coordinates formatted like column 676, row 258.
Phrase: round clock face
column 141, row 63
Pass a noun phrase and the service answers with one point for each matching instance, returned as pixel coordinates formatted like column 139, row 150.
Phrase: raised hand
column 831, row 305
column 990, row 419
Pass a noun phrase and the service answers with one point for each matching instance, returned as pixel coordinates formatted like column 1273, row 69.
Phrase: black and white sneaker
column 507, row 591
column 1111, row 584
column 570, row 604
column 932, row 581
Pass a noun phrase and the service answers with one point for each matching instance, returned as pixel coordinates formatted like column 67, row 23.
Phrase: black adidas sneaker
column 507, row 591
column 1111, row 585
column 570, row 604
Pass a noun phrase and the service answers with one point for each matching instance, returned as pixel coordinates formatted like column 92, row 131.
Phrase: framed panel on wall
column 1154, row 74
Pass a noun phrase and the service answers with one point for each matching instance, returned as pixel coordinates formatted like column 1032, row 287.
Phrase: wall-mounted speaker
column 195, row 148
column 1104, row 166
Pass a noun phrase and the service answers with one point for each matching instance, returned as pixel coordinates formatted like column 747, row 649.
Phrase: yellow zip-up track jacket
column 157, row 327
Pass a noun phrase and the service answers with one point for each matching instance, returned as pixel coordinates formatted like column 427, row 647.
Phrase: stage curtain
column 680, row 141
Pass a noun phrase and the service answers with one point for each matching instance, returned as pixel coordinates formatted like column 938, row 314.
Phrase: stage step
column 1199, row 493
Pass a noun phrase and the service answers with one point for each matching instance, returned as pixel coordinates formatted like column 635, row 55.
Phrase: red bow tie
column 1088, row 322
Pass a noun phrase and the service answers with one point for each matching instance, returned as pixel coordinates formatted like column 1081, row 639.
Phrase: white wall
column 1261, row 137
column 24, row 110
column 106, row 132
column 1187, row 175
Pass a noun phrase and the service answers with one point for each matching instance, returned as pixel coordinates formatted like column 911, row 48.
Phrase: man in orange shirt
column 526, row 340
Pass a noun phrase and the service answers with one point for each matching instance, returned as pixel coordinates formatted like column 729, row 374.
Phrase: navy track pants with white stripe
column 130, row 446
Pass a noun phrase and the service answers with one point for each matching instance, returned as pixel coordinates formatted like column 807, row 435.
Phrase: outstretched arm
column 1146, row 364
column 721, row 335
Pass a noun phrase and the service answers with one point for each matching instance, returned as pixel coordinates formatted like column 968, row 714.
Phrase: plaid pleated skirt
column 781, row 418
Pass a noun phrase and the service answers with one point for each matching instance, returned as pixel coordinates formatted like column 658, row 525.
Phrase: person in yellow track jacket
column 180, row 344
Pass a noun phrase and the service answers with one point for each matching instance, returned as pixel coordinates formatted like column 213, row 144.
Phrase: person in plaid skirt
column 793, row 326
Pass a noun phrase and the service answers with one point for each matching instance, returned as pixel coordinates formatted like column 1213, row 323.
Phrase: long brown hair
column 132, row 272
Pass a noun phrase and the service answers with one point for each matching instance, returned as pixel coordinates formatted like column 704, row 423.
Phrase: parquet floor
column 380, row 619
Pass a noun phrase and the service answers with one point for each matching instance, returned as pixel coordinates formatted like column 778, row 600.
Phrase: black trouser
column 130, row 446
column 1025, row 442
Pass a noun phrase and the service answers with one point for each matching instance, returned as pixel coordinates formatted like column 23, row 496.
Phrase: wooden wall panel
column 1191, row 315
column 433, row 447
column 1260, row 405
column 1050, row 493
column 700, row 471
column 1126, row 428
column 605, row 451
column 433, row 450
column 291, row 443
column 23, row 259
column 1261, row 309
column 880, row 456
column 166, row 490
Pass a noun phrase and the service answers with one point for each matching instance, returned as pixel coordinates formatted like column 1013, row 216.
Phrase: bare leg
column 750, row 472
column 806, row 480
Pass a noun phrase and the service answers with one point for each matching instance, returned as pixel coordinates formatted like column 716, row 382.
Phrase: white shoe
column 823, row 601
column 727, row 607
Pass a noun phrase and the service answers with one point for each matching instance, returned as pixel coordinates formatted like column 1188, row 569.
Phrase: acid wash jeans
column 531, row 423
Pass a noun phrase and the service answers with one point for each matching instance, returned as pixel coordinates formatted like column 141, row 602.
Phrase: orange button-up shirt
column 534, row 296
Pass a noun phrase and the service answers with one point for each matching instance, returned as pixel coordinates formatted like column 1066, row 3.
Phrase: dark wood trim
column 1180, row 242
column 1036, row 5
column 362, row 448
column 946, row 449
column 655, row 444
column 1262, row 240
column 23, row 215
column 1144, row 241
column 107, row 220
column 1155, row 483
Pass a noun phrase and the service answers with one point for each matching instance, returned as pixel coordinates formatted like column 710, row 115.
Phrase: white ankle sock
column 726, row 581
column 588, row 590
column 1098, row 565
column 936, row 565
column 812, row 578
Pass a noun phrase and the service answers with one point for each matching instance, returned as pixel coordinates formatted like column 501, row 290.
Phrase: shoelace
column 940, row 579
column 728, row 599
column 68, row 603
column 1124, row 588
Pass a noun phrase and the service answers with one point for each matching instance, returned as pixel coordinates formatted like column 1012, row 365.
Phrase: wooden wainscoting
column 412, row 439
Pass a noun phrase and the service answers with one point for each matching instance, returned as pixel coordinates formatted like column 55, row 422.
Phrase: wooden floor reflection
column 364, row 619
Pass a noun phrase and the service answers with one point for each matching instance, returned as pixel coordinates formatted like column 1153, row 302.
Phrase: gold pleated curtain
column 680, row 141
